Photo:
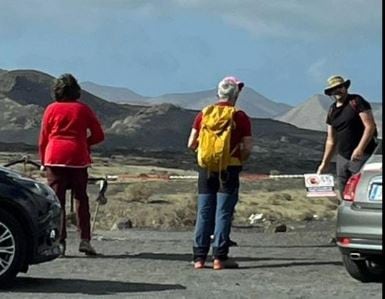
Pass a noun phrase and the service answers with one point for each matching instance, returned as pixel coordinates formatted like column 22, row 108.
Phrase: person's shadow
column 84, row 286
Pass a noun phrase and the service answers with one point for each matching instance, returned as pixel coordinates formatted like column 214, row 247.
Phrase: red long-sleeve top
column 68, row 130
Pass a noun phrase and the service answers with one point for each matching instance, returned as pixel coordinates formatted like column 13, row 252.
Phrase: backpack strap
column 353, row 104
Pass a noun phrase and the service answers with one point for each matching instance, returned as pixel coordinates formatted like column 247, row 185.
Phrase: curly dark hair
column 66, row 88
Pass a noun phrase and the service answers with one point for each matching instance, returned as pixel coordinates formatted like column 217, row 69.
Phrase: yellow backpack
column 214, row 137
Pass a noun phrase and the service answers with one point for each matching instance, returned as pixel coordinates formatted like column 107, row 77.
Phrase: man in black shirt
column 350, row 129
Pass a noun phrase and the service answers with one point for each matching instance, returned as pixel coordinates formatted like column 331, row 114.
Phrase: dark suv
column 30, row 218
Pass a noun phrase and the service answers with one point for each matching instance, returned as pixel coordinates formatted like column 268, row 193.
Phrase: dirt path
column 157, row 264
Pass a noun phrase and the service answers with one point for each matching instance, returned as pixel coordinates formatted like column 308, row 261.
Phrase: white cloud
column 317, row 70
column 296, row 18
column 293, row 19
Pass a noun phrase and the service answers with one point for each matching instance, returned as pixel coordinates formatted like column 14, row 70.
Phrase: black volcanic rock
column 16, row 116
column 33, row 87
column 159, row 130
column 26, row 87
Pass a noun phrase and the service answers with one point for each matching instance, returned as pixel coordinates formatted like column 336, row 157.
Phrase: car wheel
column 12, row 248
column 359, row 269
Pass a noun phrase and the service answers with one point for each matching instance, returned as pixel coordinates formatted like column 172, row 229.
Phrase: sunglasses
column 337, row 90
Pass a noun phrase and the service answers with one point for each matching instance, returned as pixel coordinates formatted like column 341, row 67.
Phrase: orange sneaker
column 229, row 264
column 199, row 265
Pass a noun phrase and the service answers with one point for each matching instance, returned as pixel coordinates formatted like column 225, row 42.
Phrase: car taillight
column 350, row 187
column 344, row 240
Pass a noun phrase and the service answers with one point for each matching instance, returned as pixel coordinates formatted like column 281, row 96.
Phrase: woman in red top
column 68, row 130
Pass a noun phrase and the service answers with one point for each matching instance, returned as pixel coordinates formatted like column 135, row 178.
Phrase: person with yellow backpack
column 221, row 137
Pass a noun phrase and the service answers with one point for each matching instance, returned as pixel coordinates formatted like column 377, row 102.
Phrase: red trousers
column 61, row 179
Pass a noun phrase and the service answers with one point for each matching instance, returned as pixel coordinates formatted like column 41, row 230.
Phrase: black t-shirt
column 348, row 125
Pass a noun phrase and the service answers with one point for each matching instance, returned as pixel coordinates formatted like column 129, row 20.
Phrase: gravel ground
column 157, row 264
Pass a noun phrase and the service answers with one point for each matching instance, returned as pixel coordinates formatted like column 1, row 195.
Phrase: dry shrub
column 168, row 211
column 167, row 205
column 279, row 198
column 138, row 192
column 186, row 213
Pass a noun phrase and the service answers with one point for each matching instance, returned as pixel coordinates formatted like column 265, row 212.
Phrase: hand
column 322, row 168
column 357, row 155
column 42, row 168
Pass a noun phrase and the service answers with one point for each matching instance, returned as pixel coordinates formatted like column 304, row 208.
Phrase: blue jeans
column 216, row 203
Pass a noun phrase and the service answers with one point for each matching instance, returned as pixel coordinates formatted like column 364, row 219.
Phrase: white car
column 359, row 222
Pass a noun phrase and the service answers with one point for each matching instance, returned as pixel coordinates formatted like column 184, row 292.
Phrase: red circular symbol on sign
column 313, row 180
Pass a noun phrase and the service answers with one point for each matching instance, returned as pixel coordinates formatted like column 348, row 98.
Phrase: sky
column 283, row 49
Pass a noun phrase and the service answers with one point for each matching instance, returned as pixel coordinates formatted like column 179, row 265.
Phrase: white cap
column 229, row 87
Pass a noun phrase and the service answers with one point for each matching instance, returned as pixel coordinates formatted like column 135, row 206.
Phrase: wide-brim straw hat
column 334, row 82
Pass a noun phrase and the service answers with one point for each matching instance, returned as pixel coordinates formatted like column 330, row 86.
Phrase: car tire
column 12, row 248
column 359, row 269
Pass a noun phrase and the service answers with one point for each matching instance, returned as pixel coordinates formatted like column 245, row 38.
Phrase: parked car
column 359, row 222
column 30, row 218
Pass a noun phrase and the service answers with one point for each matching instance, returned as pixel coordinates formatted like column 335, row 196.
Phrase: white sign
column 319, row 185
